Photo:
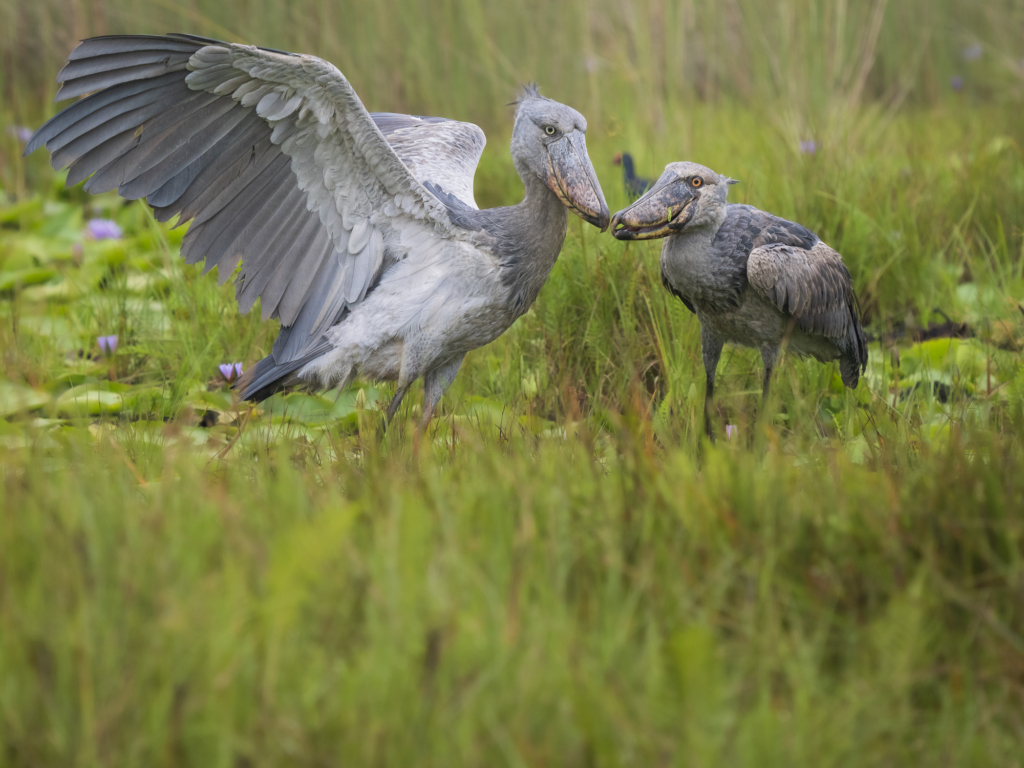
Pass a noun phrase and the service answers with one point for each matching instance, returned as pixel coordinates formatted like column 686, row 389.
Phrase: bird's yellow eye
column 697, row 181
column 549, row 130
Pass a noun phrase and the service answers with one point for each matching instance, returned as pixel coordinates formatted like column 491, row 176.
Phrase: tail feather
column 854, row 358
column 268, row 377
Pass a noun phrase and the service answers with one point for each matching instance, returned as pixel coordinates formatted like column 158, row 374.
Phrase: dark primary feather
column 114, row 108
column 81, row 84
column 106, row 45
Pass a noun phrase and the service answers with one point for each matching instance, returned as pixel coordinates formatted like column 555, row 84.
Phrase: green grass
column 559, row 571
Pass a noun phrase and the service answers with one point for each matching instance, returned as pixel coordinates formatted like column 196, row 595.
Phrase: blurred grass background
column 558, row 572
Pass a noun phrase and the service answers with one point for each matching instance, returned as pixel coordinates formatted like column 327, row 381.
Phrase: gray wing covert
column 271, row 155
column 813, row 286
column 744, row 229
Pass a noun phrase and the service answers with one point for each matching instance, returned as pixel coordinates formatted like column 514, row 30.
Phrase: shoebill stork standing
column 750, row 277
column 358, row 231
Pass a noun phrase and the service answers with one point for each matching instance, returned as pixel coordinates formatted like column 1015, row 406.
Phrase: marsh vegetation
column 559, row 571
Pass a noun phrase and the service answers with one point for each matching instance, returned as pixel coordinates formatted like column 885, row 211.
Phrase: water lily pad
column 145, row 401
column 16, row 398
column 299, row 408
column 220, row 399
column 94, row 402
column 13, row 280
column 63, row 291
column 346, row 403
column 148, row 283
column 20, row 212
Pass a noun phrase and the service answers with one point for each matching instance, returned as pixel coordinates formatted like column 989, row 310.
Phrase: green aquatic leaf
column 299, row 408
column 219, row 399
column 12, row 281
column 109, row 253
column 985, row 303
column 156, row 282
column 27, row 251
column 21, row 212
column 68, row 380
column 144, row 401
column 17, row 398
column 349, row 401
column 89, row 401
column 63, row 221
column 62, row 291
column 934, row 354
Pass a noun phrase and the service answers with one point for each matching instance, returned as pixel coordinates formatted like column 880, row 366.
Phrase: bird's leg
column 395, row 402
column 408, row 371
column 435, row 383
column 769, row 354
column 711, row 349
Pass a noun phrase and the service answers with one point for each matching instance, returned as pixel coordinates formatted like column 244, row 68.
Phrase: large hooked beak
column 666, row 208
column 572, row 178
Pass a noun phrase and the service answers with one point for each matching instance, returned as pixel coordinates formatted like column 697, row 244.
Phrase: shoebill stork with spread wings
column 750, row 277
column 358, row 231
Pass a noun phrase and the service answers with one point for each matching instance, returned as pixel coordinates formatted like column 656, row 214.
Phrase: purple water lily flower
column 21, row 133
column 956, row 82
column 103, row 229
column 808, row 147
column 971, row 52
column 730, row 431
column 108, row 344
column 230, row 371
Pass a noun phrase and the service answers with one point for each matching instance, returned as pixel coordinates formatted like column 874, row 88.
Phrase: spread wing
column 812, row 285
column 442, row 154
column 271, row 155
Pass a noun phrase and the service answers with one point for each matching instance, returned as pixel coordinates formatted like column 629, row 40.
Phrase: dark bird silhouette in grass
column 750, row 277
column 358, row 231
column 635, row 185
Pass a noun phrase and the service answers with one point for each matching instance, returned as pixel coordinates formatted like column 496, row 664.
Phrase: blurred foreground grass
column 519, row 603
column 557, row 572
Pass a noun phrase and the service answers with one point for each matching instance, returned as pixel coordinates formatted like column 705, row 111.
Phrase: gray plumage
column 751, row 278
column 358, row 231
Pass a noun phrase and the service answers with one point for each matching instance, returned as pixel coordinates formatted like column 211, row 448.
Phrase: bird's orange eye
column 697, row 181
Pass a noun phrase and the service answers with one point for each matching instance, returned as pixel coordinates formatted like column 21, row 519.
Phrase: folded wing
column 812, row 286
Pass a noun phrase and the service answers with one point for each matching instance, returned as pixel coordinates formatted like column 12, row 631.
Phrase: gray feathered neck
column 526, row 238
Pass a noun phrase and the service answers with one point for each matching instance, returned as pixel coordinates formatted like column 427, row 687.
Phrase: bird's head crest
column 527, row 92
